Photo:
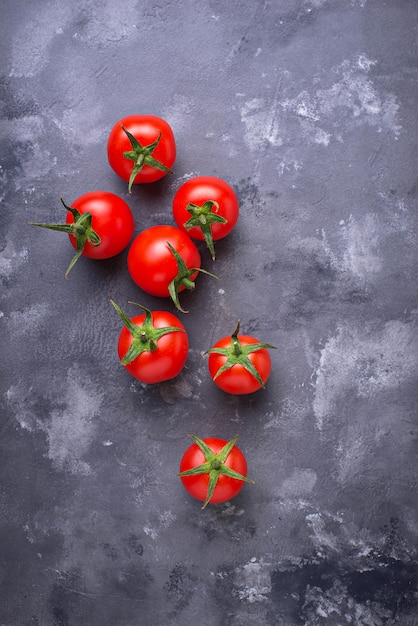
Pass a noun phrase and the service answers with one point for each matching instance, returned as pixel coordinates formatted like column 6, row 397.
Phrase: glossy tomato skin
column 145, row 128
column 164, row 363
column 152, row 265
column 226, row 487
column 199, row 190
column 112, row 220
column 237, row 380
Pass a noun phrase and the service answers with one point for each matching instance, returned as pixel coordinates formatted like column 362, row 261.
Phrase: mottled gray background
column 308, row 108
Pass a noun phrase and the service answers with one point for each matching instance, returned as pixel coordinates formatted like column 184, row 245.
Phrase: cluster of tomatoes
column 164, row 260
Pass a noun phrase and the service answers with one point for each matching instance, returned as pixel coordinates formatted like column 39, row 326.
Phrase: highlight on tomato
column 213, row 470
column 207, row 208
column 239, row 364
column 152, row 346
column 141, row 149
column 163, row 261
column 99, row 224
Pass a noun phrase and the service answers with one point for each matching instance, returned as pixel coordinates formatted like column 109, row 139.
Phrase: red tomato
column 99, row 224
column 141, row 148
column 206, row 208
column 239, row 364
column 213, row 470
column 153, row 346
column 159, row 270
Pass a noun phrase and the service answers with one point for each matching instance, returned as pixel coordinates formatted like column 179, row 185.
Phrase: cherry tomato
column 99, row 224
column 206, row 208
column 213, row 470
column 163, row 261
column 153, row 346
column 141, row 148
column 239, row 364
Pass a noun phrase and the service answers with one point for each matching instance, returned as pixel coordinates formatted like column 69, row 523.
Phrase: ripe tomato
column 141, row 148
column 206, row 208
column 163, row 261
column 99, row 224
column 239, row 364
column 213, row 470
column 152, row 346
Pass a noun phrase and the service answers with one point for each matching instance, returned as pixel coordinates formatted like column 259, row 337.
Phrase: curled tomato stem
column 81, row 229
column 183, row 277
column 145, row 336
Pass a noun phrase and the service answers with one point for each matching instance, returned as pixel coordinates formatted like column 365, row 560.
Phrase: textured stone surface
column 308, row 109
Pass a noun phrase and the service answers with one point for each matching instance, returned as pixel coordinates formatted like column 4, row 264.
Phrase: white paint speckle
column 11, row 259
column 253, row 581
column 322, row 536
column 178, row 112
column 300, row 483
column 110, row 25
column 363, row 239
column 79, row 125
column 182, row 179
column 363, row 362
column 159, row 523
column 261, row 124
column 21, row 322
column 288, row 165
column 70, row 427
column 353, row 98
column 365, row 63
column 31, row 43
column 321, row 137
column 150, row 531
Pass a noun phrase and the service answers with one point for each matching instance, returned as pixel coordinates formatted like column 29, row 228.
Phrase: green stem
column 214, row 465
column 145, row 335
column 81, row 229
column 203, row 217
column 236, row 353
column 183, row 277
column 142, row 155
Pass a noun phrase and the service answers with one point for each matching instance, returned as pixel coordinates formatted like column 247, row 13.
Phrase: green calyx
column 183, row 277
column 237, row 354
column 214, row 465
column 203, row 217
column 146, row 336
column 81, row 229
column 142, row 155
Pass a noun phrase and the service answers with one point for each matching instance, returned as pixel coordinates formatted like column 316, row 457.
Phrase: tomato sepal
column 183, row 277
column 203, row 217
column 237, row 354
column 142, row 155
column 214, row 466
column 145, row 336
column 81, row 229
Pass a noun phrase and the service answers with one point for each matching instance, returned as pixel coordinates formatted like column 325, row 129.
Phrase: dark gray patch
column 224, row 523
column 391, row 583
column 65, row 597
column 14, row 105
column 385, row 581
column 135, row 544
column 180, row 586
column 133, row 582
column 110, row 551
column 248, row 195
